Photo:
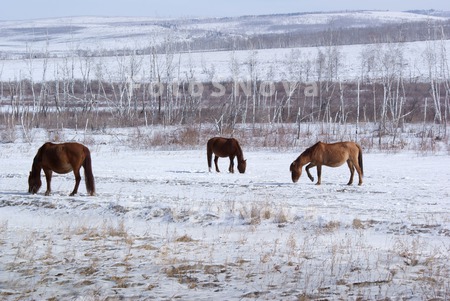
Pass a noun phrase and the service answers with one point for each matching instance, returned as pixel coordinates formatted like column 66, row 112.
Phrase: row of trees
column 384, row 93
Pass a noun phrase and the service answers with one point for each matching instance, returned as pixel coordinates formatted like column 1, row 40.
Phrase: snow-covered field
column 279, row 64
column 72, row 47
column 64, row 35
column 162, row 227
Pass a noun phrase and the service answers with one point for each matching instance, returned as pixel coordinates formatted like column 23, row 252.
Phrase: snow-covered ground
column 162, row 227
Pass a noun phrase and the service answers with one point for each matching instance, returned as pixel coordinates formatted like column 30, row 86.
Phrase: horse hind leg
column 359, row 170
column 351, row 166
column 209, row 158
column 216, row 159
column 76, row 172
column 319, row 174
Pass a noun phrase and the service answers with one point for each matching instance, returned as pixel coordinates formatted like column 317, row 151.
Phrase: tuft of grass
column 184, row 238
column 357, row 224
column 281, row 217
column 3, row 230
column 118, row 231
column 255, row 215
column 121, row 281
column 266, row 214
column 331, row 226
column 89, row 270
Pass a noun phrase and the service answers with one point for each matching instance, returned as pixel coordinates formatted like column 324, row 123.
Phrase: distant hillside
column 431, row 12
column 107, row 36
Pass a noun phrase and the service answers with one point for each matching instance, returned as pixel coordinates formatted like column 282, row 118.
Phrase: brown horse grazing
column 225, row 147
column 61, row 158
column 332, row 155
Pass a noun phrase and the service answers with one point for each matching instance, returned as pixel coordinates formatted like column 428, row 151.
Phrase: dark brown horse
column 332, row 155
column 225, row 147
column 61, row 158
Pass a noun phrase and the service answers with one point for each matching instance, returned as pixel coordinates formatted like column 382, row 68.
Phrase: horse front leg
column 310, row 165
column 48, row 178
column 76, row 172
column 351, row 166
column 216, row 158
column 231, row 168
column 319, row 174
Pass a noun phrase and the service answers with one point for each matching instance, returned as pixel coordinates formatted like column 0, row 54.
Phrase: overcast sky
column 34, row 9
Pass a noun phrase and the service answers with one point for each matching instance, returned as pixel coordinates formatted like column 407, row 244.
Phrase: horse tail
column 209, row 153
column 88, row 175
column 360, row 159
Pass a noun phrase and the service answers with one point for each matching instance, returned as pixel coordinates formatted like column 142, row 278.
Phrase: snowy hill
column 94, row 34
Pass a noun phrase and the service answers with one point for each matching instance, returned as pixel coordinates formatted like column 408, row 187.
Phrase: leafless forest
column 384, row 95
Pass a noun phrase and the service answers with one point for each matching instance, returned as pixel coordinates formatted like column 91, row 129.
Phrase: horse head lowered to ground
column 61, row 158
column 333, row 155
column 225, row 147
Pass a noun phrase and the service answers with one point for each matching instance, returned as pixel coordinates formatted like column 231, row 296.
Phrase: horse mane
column 311, row 149
column 37, row 159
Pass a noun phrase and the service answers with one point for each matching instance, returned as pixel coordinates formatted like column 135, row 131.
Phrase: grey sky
column 33, row 9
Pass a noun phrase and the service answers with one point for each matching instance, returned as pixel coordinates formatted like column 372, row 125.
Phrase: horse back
column 222, row 147
column 62, row 157
column 333, row 154
column 349, row 150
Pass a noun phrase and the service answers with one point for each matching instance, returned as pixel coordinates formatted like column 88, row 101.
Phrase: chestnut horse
column 225, row 147
column 332, row 155
column 61, row 158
